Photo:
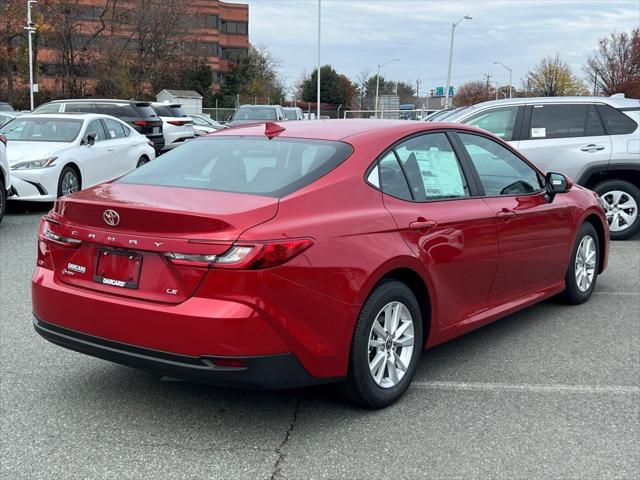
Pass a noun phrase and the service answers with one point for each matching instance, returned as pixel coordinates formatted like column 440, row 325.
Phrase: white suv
column 177, row 127
column 5, row 179
column 593, row 140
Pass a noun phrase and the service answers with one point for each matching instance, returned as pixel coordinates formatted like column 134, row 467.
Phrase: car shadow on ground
column 28, row 207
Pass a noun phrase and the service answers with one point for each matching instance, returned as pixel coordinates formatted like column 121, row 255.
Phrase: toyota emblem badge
column 111, row 217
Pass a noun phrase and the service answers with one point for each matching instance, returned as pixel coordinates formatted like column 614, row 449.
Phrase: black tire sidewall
column 142, row 161
column 572, row 293
column 363, row 387
column 63, row 173
column 3, row 200
column 630, row 190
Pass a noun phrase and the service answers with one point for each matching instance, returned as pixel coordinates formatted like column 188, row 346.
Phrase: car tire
column 582, row 271
column 142, row 160
column 620, row 197
column 360, row 386
column 69, row 181
column 3, row 200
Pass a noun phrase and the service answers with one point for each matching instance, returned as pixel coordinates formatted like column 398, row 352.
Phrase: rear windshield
column 166, row 111
column 145, row 111
column 253, row 165
column 42, row 129
column 253, row 113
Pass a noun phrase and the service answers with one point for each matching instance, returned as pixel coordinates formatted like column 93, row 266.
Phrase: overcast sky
column 359, row 34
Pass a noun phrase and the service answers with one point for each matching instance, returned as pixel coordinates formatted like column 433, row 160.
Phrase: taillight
column 247, row 256
column 177, row 123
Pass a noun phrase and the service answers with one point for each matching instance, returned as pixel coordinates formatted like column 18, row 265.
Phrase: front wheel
column 69, row 181
column 386, row 346
column 621, row 201
column 582, row 272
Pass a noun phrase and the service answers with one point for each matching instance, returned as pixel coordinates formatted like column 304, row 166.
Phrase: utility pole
column 446, row 87
column 380, row 65
column 418, row 82
column 318, row 76
column 30, row 31
column 488, row 77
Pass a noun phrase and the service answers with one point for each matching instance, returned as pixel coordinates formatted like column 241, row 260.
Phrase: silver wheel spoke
column 391, row 344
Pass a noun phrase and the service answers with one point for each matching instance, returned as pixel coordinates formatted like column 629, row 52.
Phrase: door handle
column 506, row 214
column 422, row 224
column 592, row 148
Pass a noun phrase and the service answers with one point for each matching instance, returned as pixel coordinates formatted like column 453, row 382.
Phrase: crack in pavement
column 280, row 448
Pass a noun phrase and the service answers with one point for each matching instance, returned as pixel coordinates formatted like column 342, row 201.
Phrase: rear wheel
column 386, row 346
column 69, row 181
column 621, row 201
column 142, row 160
column 582, row 272
column 3, row 199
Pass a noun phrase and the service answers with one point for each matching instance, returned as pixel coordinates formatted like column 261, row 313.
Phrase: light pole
column 446, row 88
column 318, row 71
column 500, row 63
column 380, row 65
column 30, row 31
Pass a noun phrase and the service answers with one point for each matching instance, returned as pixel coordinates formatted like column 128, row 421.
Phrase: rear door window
column 499, row 121
column 114, row 129
column 564, row 121
column 432, row 168
column 616, row 122
column 79, row 107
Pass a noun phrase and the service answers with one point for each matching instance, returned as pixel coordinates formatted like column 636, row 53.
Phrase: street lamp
column 380, row 65
column 500, row 63
column 318, row 71
column 30, row 31
column 446, row 88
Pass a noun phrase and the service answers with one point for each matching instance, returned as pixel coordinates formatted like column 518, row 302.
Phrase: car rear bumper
column 260, row 372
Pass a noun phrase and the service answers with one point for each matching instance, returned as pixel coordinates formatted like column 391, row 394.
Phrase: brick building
column 212, row 29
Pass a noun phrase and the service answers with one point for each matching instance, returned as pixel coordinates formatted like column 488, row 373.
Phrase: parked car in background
column 593, row 140
column 6, row 107
column 440, row 115
column 138, row 114
column 5, row 177
column 51, row 155
column 293, row 113
column 177, row 126
column 6, row 116
column 277, row 256
column 203, row 124
column 248, row 114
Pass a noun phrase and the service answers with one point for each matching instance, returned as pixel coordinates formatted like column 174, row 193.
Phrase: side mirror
column 556, row 183
column 90, row 139
column 230, row 118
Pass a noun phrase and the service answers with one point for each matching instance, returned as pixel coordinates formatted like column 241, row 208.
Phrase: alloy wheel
column 621, row 210
column 585, row 264
column 391, row 343
column 70, row 183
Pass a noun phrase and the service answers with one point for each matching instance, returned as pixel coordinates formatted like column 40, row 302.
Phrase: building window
column 211, row 21
column 211, row 49
column 234, row 28
column 234, row 53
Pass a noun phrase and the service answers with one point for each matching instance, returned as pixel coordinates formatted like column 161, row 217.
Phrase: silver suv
column 593, row 140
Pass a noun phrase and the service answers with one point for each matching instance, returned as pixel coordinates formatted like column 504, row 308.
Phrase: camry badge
column 111, row 217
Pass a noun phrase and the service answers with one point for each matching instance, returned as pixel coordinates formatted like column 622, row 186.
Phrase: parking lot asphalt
column 550, row 392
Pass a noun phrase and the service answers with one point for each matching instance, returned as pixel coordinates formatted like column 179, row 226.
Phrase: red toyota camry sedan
column 277, row 256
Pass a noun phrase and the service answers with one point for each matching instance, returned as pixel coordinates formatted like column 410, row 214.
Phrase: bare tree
column 11, row 39
column 614, row 67
column 362, row 80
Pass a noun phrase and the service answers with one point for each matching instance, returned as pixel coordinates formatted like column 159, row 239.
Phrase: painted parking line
column 536, row 388
column 630, row 294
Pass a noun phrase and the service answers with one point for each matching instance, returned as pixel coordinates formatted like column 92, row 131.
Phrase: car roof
column 79, row 115
column 259, row 106
column 106, row 100
column 341, row 129
column 615, row 101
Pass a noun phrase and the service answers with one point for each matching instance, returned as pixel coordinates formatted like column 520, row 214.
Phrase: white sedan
column 51, row 155
column 5, row 179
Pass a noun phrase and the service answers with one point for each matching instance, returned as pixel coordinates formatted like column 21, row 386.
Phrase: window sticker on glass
column 539, row 132
column 440, row 174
